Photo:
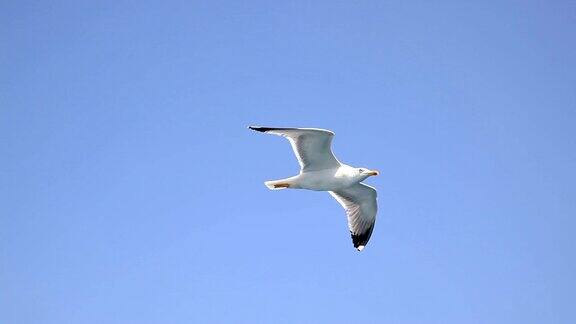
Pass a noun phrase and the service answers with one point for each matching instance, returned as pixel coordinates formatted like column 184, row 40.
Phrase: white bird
column 321, row 171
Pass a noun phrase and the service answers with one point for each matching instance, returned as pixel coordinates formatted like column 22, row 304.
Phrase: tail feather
column 276, row 184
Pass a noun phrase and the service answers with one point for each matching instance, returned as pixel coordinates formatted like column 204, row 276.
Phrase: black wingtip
column 360, row 240
column 260, row 129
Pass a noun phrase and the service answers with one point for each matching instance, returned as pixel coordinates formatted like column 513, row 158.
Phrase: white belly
column 324, row 180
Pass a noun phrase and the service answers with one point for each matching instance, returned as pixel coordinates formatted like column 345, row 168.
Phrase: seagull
column 321, row 171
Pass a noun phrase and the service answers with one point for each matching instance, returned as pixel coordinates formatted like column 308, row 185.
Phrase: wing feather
column 312, row 146
column 361, row 207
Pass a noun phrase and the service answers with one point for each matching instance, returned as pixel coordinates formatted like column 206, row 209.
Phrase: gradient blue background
column 132, row 192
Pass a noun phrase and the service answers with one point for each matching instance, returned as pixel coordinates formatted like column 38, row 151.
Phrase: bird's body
column 333, row 179
column 321, row 171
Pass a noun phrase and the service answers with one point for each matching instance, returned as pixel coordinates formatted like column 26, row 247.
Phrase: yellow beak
column 374, row 173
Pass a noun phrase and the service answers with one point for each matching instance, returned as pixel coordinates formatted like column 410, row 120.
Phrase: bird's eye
column 361, row 170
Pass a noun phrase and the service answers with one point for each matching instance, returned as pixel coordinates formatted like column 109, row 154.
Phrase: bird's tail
column 277, row 184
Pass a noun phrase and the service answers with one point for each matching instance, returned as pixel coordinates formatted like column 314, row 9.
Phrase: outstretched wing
column 312, row 146
column 359, row 201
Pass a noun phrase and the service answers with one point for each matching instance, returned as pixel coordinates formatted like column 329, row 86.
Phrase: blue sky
column 132, row 192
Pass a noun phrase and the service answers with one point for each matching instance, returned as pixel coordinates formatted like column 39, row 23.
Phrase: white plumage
column 321, row 171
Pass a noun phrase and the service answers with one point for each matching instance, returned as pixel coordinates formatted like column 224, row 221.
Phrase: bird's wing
column 312, row 146
column 359, row 201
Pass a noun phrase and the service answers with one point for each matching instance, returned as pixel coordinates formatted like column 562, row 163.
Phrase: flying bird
column 321, row 171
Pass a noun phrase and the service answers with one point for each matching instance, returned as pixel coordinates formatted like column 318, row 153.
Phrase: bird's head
column 364, row 173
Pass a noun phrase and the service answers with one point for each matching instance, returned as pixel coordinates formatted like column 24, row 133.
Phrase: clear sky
column 131, row 190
